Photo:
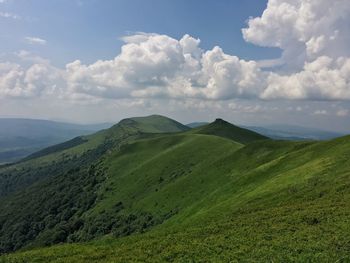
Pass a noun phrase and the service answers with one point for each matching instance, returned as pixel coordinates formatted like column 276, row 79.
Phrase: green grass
column 216, row 200
column 157, row 124
column 70, row 154
column 165, row 167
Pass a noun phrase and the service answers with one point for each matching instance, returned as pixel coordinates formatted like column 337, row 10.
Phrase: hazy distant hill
column 196, row 124
column 21, row 137
column 285, row 132
column 292, row 132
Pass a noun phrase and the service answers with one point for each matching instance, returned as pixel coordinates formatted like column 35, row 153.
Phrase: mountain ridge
column 140, row 190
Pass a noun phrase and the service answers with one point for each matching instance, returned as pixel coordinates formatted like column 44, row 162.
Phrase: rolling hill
column 227, row 130
column 150, row 190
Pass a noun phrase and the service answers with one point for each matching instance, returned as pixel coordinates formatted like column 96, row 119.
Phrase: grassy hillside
column 80, row 151
column 189, row 197
column 107, row 195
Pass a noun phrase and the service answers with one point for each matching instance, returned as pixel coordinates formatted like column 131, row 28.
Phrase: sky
column 251, row 62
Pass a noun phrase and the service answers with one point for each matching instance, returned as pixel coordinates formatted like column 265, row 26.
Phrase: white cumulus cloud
column 303, row 29
column 152, row 65
column 323, row 79
column 36, row 80
column 35, row 41
column 315, row 65
column 314, row 36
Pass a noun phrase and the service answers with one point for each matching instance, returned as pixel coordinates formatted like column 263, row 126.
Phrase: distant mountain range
column 196, row 124
column 291, row 132
column 21, row 137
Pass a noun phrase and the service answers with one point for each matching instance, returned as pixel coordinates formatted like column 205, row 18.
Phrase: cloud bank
column 152, row 65
column 314, row 36
column 315, row 64
column 37, row 80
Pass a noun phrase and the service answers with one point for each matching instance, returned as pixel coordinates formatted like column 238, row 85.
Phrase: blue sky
column 91, row 30
column 251, row 62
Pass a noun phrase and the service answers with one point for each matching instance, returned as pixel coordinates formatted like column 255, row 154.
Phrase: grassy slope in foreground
column 268, row 201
